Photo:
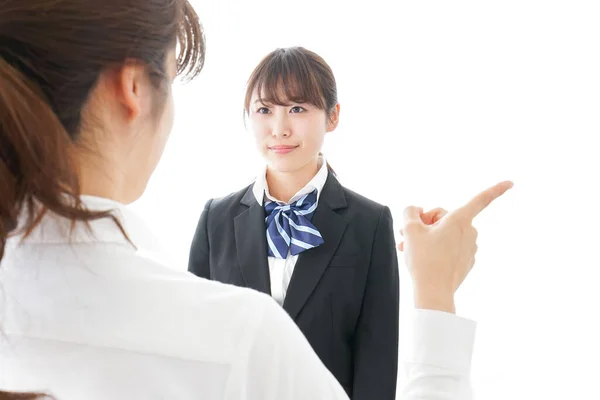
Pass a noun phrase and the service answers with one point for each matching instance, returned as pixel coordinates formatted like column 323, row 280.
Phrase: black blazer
column 343, row 295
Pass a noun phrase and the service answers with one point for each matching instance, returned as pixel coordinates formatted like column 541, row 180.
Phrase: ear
column 334, row 118
column 132, row 87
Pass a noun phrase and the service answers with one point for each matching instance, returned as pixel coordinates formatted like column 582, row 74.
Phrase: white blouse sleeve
column 281, row 364
column 438, row 361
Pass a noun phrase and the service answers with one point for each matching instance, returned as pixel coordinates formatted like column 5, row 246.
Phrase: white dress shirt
column 281, row 270
column 87, row 316
column 437, row 363
column 96, row 319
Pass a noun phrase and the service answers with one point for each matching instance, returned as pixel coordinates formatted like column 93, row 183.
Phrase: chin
column 289, row 162
column 280, row 165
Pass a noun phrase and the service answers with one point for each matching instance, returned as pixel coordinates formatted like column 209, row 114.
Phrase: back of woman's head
column 52, row 53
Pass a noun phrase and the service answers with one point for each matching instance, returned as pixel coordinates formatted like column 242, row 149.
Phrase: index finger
column 484, row 199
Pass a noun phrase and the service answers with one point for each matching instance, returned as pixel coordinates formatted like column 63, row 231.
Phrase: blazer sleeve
column 376, row 335
column 199, row 263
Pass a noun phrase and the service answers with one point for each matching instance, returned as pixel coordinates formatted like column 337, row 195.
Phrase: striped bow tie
column 289, row 227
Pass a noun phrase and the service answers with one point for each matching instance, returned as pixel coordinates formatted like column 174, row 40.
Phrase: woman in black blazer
column 325, row 253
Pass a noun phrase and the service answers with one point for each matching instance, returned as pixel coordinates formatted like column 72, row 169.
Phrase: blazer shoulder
column 364, row 204
column 232, row 200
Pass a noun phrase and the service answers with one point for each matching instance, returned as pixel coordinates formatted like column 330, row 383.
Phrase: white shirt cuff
column 442, row 340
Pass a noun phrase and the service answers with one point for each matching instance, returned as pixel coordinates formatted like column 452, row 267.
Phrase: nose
column 281, row 127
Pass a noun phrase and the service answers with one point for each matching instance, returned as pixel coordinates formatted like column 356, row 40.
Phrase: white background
column 439, row 100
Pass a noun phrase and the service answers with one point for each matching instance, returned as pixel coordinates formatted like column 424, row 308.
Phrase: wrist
column 434, row 299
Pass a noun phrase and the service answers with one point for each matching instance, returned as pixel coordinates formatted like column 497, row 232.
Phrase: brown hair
column 293, row 74
column 23, row 396
column 51, row 56
column 299, row 74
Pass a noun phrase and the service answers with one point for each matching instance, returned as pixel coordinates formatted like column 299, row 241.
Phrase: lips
column 282, row 149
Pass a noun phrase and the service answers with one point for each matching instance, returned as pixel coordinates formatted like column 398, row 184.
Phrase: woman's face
column 289, row 136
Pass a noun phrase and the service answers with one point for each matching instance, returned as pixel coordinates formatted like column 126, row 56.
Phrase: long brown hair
column 293, row 74
column 51, row 56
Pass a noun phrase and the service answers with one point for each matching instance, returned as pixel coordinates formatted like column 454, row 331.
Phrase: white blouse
column 282, row 269
column 91, row 317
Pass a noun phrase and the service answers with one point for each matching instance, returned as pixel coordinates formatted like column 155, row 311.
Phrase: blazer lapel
column 251, row 244
column 312, row 263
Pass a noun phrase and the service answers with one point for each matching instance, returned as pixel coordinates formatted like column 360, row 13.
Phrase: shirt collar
column 261, row 188
column 54, row 229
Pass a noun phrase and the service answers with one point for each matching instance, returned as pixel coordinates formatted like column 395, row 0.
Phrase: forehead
column 276, row 96
column 284, row 93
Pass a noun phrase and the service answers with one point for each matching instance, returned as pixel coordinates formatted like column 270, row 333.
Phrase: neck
column 284, row 185
column 101, row 178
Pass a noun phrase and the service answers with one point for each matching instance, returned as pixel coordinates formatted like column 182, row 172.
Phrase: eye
column 297, row 109
column 263, row 110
